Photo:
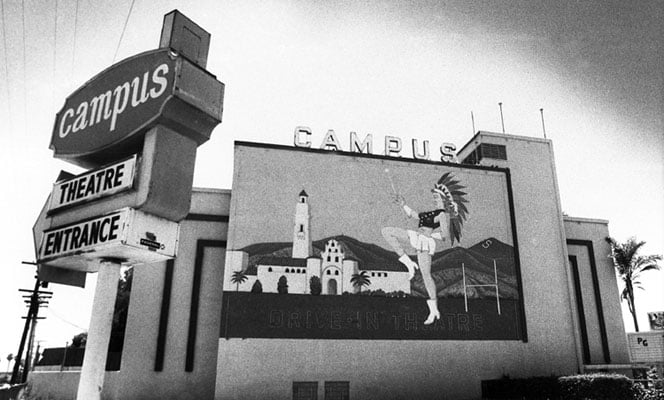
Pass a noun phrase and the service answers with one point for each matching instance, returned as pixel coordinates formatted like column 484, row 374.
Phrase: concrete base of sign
column 99, row 334
column 127, row 235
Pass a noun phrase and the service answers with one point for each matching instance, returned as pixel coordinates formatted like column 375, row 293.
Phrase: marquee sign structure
column 137, row 125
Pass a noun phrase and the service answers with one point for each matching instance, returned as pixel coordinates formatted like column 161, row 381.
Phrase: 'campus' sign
column 107, row 117
column 114, row 105
column 393, row 145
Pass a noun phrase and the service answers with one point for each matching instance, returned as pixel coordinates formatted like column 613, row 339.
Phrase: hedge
column 598, row 387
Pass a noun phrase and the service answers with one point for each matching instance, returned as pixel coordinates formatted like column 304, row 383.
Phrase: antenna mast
column 502, row 122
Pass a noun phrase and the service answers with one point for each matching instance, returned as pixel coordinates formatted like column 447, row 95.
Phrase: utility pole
column 35, row 298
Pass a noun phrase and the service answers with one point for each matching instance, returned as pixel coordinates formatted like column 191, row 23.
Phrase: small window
column 336, row 259
column 472, row 158
column 287, row 270
column 328, row 272
column 386, row 274
column 336, row 272
column 329, row 258
column 337, row 390
column 302, row 200
column 301, row 228
column 305, row 390
column 495, row 151
column 269, row 269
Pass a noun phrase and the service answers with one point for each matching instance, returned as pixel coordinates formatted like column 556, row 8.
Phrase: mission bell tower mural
column 301, row 233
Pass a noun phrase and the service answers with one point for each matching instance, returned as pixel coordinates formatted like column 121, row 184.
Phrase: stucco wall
column 137, row 372
column 62, row 385
column 595, row 231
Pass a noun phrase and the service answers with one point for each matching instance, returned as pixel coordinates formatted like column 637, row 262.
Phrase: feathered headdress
column 455, row 203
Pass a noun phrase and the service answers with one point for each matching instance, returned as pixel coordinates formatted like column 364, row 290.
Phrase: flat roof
column 503, row 135
column 567, row 218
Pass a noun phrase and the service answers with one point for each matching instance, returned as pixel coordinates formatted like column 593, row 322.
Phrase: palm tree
column 629, row 266
column 237, row 278
column 360, row 279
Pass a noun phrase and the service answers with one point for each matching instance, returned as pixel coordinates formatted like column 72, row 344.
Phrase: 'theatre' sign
column 124, row 234
column 104, row 119
column 93, row 184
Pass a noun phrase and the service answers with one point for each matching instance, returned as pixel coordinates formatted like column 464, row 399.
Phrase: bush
column 315, row 287
column 650, row 394
column 577, row 387
column 538, row 387
column 282, row 285
column 598, row 386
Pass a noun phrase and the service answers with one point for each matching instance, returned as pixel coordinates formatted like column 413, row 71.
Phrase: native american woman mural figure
column 441, row 225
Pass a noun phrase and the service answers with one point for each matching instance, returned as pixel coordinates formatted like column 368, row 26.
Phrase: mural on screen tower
column 338, row 245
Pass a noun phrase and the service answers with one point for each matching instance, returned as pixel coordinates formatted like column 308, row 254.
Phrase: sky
column 413, row 69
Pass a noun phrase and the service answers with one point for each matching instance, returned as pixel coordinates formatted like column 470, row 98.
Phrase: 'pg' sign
column 646, row 346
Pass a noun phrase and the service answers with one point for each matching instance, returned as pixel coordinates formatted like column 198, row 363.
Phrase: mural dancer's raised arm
column 400, row 200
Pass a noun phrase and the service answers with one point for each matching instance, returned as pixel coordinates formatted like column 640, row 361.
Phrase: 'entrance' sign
column 125, row 234
column 94, row 184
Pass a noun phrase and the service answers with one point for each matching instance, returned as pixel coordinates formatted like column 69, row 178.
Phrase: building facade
column 194, row 326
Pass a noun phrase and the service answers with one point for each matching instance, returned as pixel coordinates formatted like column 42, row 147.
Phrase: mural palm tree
column 360, row 279
column 629, row 266
column 238, row 278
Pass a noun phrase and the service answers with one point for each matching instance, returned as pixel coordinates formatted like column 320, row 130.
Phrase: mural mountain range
column 445, row 265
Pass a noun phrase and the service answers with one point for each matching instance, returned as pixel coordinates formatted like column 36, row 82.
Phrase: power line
column 25, row 66
column 4, row 38
column 131, row 6
column 55, row 51
column 73, row 52
column 61, row 318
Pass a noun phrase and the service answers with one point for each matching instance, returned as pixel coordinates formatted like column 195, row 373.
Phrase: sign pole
column 99, row 333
